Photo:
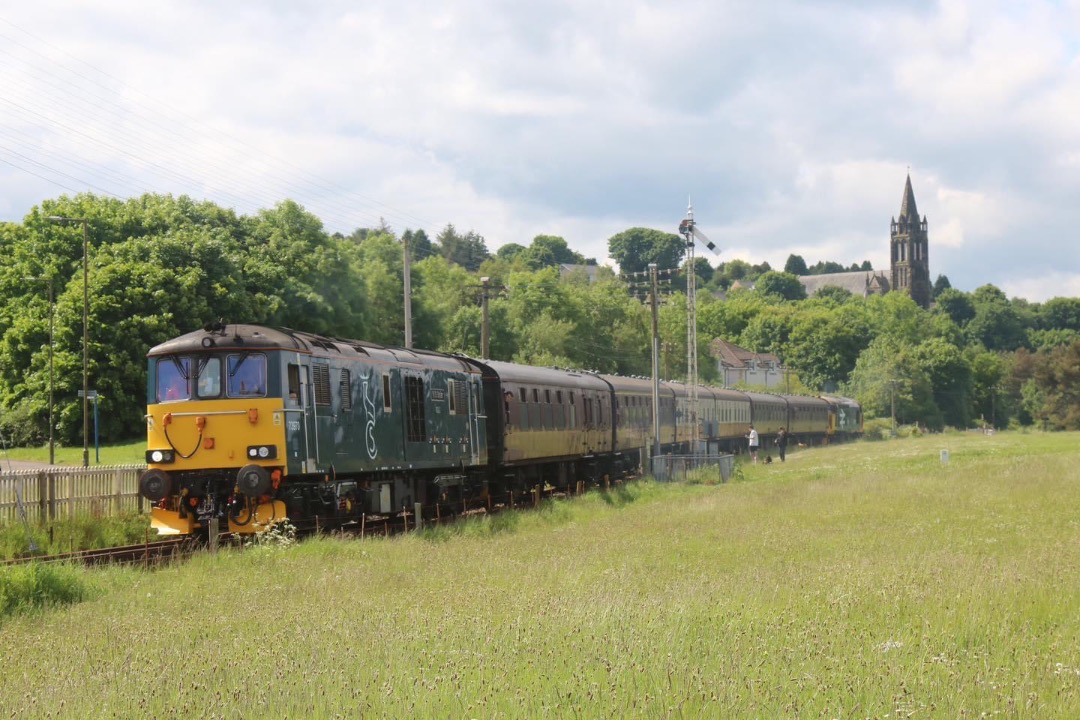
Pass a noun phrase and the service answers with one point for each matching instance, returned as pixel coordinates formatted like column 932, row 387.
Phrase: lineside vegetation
column 864, row 580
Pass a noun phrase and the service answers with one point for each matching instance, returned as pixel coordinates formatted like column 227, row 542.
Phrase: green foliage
column 468, row 250
column 795, row 265
column 34, row 586
column 1049, row 385
column 782, row 284
column 161, row 265
column 85, row 532
column 636, row 248
column 550, row 251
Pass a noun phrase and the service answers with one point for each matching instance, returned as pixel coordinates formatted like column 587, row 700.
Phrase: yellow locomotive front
column 216, row 437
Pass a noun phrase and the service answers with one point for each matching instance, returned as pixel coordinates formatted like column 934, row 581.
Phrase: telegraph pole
column 485, row 327
column 408, row 290
column 655, row 301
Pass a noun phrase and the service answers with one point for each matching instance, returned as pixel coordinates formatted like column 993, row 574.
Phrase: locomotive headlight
column 160, row 456
column 262, row 452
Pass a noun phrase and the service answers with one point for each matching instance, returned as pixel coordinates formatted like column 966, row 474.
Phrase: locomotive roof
column 218, row 336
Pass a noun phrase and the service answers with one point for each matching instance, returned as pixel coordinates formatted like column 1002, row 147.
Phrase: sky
column 790, row 126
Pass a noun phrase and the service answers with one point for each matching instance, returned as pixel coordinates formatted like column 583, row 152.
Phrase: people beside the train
column 752, row 437
column 781, row 443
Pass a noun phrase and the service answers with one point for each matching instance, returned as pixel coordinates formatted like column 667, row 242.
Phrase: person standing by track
column 752, row 437
column 781, row 443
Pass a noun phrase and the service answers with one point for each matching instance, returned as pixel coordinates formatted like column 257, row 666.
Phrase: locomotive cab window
column 386, row 392
column 294, row 385
column 173, row 379
column 247, row 375
column 208, row 381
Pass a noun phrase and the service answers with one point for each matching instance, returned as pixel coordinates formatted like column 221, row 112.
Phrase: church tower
column 910, row 262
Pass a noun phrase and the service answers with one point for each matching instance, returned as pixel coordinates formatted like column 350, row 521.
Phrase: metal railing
column 677, row 468
column 38, row 496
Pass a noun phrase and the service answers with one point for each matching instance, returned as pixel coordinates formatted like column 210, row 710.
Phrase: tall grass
column 85, row 532
column 867, row 580
column 27, row 588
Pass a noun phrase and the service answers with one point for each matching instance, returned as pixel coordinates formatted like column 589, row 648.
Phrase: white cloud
column 791, row 125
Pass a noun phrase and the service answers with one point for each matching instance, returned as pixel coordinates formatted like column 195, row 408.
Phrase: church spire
column 908, row 211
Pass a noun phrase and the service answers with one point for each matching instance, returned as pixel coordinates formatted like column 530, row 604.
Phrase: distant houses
column 738, row 365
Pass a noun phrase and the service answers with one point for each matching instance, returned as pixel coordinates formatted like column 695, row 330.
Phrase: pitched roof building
column 739, row 365
column 863, row 282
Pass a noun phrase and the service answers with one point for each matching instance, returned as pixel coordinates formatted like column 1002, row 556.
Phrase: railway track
column 161, row 552
column 148, row 554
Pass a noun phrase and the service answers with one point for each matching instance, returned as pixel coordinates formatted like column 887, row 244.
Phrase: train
column 248, row 425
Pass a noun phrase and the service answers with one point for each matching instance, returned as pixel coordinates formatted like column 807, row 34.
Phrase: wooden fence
column 61, row 492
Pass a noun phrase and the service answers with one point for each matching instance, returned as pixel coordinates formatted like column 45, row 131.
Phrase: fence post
column 118, row 498
column 52, row 495
column 71, row 495
column 43, row 496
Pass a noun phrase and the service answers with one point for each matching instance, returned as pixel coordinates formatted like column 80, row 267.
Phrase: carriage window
column 247, row 375
column 386, row 392
column 547, row 396
column 414, row 406
column 536, row 395
column 522, row 390
column 173, row 379
column 558, row 396
column 321, row 376
column 346, row 391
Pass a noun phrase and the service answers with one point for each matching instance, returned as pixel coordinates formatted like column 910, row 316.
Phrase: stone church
column 909, row 261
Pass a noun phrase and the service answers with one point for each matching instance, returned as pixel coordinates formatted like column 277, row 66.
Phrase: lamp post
column 86, row 333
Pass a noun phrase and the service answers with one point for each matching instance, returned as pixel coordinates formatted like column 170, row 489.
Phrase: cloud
column 791, row 125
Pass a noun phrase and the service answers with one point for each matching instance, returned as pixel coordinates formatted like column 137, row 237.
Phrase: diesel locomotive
column 250, row 424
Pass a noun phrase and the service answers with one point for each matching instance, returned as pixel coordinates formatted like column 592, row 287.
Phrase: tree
column 885, row 378
column 833, row 295
column 550, row 251
column 950, row 378
column 940, row 285
column 957, row 305
column 509, row 251
column 1060, row 313
column 996, row 323
column 826, row 267
column 796, row 265
column 1048, row 383
column 636, row 248
column 782, row 284
column 467, row 250
column 420, row 246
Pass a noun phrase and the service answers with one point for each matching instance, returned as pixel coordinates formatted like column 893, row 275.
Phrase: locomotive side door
column 300, row 428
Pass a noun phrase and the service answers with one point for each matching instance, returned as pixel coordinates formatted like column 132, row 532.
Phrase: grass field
column 866, row 580
column 128, row 453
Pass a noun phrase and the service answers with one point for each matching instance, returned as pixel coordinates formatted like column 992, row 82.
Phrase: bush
column 22, row 426
column 29, row 587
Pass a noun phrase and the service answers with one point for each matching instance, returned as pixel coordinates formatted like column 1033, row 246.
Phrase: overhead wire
column 337, row 203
